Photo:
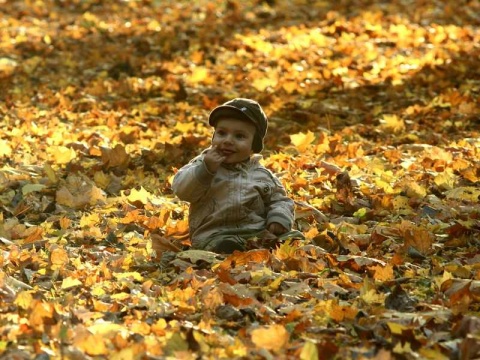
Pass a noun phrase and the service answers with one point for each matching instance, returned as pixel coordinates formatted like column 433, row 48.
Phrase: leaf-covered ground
column 374, row 130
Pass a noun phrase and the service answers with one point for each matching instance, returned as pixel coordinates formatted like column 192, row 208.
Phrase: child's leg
column 222, row 244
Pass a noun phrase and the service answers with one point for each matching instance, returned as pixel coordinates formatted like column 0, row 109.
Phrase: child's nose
column 228, row 139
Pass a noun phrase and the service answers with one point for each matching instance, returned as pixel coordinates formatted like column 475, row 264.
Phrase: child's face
column 233, row 139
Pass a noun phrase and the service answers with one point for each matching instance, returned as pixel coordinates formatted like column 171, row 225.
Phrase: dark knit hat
column 243, row 109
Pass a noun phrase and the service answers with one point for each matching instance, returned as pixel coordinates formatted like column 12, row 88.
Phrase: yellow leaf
column 120, row 296
column 199, row 74
column 70, row 282
column 405, row 348
column 7, row 67
column 185, row 127
column 5, row 149
column 302, row 140
column 290, row 86
column 98, row 291
column 273, row 337
column 392, row 122
column 446, row 180
column 415, row 190
column 24, row 299
column 154, row 25
column 92, row 344
column 275, row 284
column 372, row 297
column 50, row 173
column 106, row 328
column 159, row 327
column 126, row 353
column 140, row 195
column 309, row 351
column 261, row 84
column 62, row 154
column 402, row 206
column 89, row 220
column 396, row 328
column 129, row 275
column 140, row 327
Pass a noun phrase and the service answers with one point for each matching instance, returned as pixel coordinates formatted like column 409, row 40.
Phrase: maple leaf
column 116, row 157
column 302, row 141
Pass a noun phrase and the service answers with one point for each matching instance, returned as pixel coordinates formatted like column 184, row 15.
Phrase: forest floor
column 374, row 129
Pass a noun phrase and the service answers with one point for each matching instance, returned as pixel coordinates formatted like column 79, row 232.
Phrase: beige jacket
column 243, row 196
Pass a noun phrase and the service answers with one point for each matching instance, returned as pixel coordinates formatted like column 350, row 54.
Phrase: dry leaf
column 274, row 337
column 302, row 141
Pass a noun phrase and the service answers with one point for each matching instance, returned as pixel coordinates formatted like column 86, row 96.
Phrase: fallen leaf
column 274, row 337
column 302, row 141
column 70, row 282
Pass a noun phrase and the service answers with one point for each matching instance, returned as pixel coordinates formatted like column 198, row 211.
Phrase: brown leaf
column 160, row 244
column 417, row 237
column 399, row 300
column 116, row 157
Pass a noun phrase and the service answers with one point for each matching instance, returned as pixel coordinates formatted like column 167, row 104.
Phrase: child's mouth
column 227, row 152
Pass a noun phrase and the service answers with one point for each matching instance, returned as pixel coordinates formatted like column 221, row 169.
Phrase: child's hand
column 276, row 228
column 212, row 159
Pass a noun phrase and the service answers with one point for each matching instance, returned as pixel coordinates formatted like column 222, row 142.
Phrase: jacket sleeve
column 280, row 209
column 192, row 181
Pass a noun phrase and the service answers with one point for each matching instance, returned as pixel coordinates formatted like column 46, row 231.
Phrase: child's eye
column 220, row 132
column 241, row 136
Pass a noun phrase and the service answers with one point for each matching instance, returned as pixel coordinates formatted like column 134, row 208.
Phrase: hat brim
column 227, row 111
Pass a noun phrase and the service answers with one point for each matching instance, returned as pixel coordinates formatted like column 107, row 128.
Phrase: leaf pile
column 374, row 131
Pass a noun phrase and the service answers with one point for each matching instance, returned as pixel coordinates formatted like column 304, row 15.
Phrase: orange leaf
column 383, row 273
column 58, row 257
column 237, row 301
column 33, row 234
column 254, row 256
column 41, row 314
column 340, row 313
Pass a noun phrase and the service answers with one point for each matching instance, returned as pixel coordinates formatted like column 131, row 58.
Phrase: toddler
column 233, row 198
